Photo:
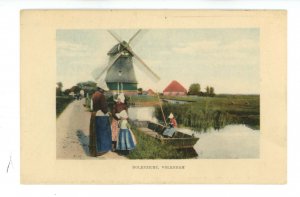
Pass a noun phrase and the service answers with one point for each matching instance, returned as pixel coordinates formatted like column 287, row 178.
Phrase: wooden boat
column 178, row 141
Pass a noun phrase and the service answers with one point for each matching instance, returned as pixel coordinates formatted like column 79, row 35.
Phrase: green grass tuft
column 150, row 148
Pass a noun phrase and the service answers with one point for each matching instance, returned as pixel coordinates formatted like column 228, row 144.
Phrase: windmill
column 120, row 75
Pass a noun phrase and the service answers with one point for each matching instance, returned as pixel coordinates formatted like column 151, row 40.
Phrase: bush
column 61, row 103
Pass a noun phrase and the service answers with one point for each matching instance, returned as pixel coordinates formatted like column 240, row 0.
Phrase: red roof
column 175, row 86
column 151, row 91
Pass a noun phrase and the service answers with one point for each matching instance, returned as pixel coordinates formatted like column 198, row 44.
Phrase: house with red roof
column 150, row 92
column 175, row 89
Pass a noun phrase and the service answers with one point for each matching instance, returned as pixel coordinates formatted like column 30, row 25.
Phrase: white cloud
column 208, row 46
column 71, row 47
column 195, row 47
column 217, row 53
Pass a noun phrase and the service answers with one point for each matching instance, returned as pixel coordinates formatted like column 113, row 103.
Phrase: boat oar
column 162, row 111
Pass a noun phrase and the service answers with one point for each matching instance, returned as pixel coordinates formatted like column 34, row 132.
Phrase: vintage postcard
column 144, row 96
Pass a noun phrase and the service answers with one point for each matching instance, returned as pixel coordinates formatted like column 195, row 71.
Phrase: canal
column 230, row 142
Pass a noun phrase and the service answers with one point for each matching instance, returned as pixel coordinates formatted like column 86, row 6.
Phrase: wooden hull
column 178, row 141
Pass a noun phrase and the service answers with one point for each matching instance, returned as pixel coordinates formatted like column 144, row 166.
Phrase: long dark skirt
column 100, row 135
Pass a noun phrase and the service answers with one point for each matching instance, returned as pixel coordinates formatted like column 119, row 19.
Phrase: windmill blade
column 102, row 84
column 134, row 36
column 118, row 38
column 138, row 38
column 144, row 66
column 98, row 73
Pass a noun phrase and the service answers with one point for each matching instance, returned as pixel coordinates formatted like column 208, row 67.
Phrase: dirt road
column 72, row 134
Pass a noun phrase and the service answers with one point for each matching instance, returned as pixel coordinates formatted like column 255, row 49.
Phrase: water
column 175, row 101
column 142, row 113
column 230, row 142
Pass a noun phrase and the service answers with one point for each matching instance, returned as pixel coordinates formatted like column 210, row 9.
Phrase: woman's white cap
column 121, row 97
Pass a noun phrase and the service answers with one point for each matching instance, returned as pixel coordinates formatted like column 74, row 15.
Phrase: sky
column 226, row 59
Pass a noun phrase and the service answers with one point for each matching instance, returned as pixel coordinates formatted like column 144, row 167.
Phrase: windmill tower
column 120, row 74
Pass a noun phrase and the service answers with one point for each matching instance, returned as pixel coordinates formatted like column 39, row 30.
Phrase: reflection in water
column 142, row 113
column 232, row 141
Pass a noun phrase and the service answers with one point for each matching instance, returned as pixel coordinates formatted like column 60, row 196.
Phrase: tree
column 140, row 91
column 207, row 90
column 194, row 89
column 87, row 84
column 59, row 89
column 89, row 87
column 211, row 91
column 75, row 89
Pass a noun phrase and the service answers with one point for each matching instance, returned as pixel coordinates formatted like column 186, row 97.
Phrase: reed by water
column 216, row 112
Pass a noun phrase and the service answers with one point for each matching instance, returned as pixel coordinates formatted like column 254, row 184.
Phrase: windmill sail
column 120, row 71
column 132, row 38
column 98, row 73
column 146, row 68
column 142, row 64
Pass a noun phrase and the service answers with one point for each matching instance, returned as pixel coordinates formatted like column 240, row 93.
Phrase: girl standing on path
column 118, row 107
column 126, row 140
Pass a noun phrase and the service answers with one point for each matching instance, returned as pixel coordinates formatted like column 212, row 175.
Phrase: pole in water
column 162, row 111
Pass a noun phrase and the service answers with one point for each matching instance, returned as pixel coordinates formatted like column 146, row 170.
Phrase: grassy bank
column 142, row 100
column 61, row 103
column 149, row 148
column 217, row 112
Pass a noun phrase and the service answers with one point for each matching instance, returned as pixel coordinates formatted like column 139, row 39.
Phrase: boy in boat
column 169, row 132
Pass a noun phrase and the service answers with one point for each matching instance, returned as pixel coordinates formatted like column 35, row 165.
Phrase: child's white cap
column 171, row 115
column 122, row 114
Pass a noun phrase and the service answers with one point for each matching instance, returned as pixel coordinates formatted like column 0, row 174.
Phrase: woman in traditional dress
column 100, row 131
column 126, row 140
column 118, row 107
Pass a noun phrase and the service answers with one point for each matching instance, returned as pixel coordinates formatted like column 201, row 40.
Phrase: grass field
column 143, row 100
column 217, row 112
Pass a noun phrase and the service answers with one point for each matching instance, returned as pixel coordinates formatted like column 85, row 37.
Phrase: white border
column 10, row 116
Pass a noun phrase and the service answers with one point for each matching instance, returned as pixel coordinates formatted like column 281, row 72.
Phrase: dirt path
column 72, row 134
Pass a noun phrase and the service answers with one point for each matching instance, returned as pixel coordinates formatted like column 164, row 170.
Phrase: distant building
column 174, row 89
column 150, row 92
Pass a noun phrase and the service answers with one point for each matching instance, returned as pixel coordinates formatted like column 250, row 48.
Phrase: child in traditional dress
column 118, row 107
column 126, row 140
column 169, row 132
column 172, row 122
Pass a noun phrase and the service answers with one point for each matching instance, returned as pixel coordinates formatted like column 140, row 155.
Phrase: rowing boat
column 178, row 141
